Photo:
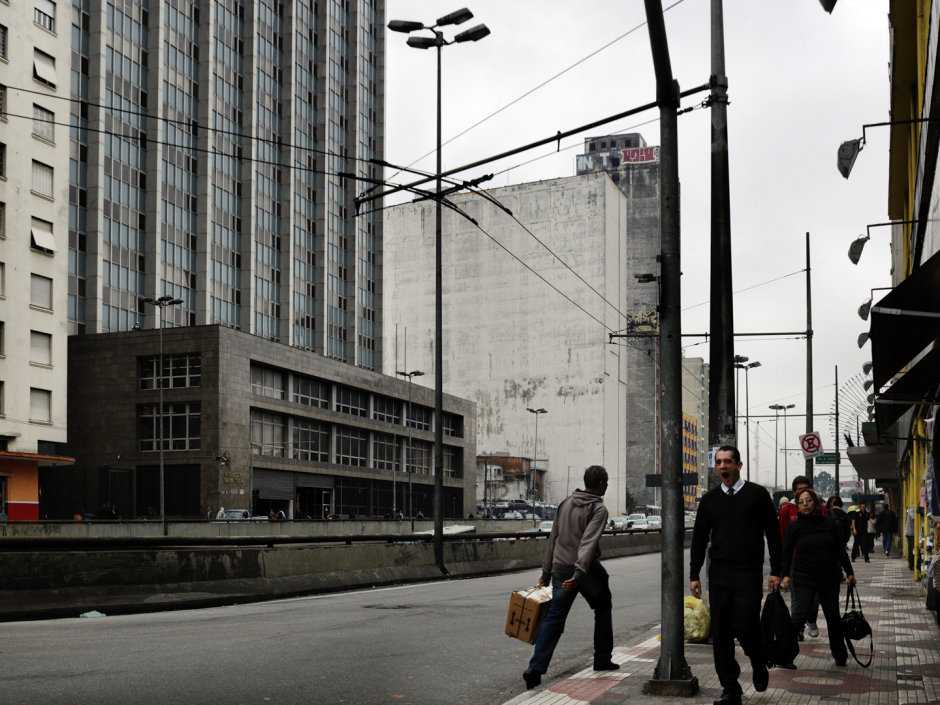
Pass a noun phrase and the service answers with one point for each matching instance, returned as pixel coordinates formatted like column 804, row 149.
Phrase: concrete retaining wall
column 67, row 583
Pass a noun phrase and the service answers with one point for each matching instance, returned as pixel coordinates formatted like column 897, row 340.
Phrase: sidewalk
column 906, row 667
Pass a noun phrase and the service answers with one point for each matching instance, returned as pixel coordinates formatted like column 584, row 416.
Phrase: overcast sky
column 800, row 82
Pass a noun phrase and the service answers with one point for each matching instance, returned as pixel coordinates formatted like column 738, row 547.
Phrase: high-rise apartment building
column 34, row 197
column 212, row 151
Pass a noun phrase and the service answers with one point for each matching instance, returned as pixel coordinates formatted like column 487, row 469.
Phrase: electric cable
column 741, row 291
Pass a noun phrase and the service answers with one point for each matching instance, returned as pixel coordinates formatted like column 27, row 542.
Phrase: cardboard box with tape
column 527, row 609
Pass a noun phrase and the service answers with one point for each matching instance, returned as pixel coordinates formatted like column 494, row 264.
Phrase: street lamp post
column 777, row 408
column 162, row 303
column 786, row 464
column 471, row 35
column 747, row 410
column 409, row 375
column 535, row 456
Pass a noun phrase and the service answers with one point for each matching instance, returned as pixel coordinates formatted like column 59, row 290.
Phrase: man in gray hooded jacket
column 572, row 566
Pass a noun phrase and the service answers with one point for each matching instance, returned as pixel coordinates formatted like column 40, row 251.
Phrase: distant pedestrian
column 788, row 514
column 420, row 515
column 399, row 515
column 860, row 531
column 271, row 515
column 209, row 514
column 221, row 513
column 136, row 325
column 352, row 515
column 79, row 515
column 151, row 512
column 909, row 536
column 889, row 527
column 834, row 507
column 571, row 566
column 735, row 518
column 783, row 502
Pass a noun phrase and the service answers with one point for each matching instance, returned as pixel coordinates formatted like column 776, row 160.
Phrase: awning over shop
column 875, row 462
column 905, row 321
column 919, row 385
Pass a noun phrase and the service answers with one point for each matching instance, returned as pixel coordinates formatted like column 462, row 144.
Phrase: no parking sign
column 811, row 445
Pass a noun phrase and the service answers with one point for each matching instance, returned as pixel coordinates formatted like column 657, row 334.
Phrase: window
column 42, row 238
column 420, row 458
column 310, row 440
column 44, row 14
column 3, row 100
column 3, row 42
column 40, row 405
column 2, row 339
column 267, row 434
column 311, row 392
column 45, row 447
column 419, row 417
column 182, row 426
column 183, row 370
column 385, row 452
column 40, row 347
column 43, row 123
column 385, row 409
column 43, row 67
column 453, row 425
column 42, row 179
column 3, row 279
column 352, row 446
column 3, row 221
column 40, row 291
column 3, row 160
column 351, row 401
column 452, row 462
column 267, row 382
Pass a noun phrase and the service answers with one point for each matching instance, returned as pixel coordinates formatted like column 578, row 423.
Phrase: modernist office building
column 246, row 417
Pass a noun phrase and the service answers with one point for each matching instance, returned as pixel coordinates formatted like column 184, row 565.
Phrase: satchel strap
column 848, row 643
column 852, row 591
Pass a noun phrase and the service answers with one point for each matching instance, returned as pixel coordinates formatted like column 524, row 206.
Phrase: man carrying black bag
column 735, row 518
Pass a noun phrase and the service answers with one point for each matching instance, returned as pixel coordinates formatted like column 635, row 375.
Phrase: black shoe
column 761, row 678
column 729, row 699
column 532, row 679
column 799, row 636
column 841, row 662
column 610, row 666
column 866, row 559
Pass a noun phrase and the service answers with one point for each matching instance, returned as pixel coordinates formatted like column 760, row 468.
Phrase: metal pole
column 747, row 418
column 776, row 447
column 672, row 675
column 837, row 492
column 786, row 464
column 408, row 467
column 438, row 345
column 809, row 359
column 162, row 504
column 535, row 458
column 721, row 402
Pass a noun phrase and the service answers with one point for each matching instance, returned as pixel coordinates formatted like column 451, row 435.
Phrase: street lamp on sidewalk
column 409, row 375
column 777, row 408
column 162, row 303
column 535, row 456
column 747, row 410
column 471, row 35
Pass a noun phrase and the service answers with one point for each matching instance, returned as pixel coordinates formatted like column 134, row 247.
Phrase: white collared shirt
column 736, row 487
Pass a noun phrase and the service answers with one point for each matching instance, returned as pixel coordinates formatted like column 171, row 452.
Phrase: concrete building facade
column 246, row 417
column 34, row 256
column 512, row 343
column 695, row 404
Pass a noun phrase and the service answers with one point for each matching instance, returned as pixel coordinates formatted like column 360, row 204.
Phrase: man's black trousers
column 735, row 597
column 860, row 546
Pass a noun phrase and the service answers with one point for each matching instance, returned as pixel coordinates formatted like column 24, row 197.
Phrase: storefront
column 19, row 483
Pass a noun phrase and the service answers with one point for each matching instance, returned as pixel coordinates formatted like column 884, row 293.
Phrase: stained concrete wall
column 510, row 341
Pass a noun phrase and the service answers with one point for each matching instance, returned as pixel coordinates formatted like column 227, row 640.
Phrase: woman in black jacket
column 815, row 543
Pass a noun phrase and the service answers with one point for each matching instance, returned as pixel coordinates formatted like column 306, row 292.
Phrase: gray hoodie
column 576, row 532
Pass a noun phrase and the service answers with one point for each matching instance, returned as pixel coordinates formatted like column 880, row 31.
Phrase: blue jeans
column 887, row 539
column 595, row 589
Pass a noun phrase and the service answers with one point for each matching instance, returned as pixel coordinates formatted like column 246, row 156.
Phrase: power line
column 741, row 291
column 752, row 340
column 800, row 394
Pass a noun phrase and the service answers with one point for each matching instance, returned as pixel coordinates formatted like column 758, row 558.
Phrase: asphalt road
column 423, row 644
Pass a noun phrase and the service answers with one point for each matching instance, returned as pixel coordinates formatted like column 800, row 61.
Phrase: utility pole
column 837, row 432
column 809, row 360
column 721, row 409
column 672, row 675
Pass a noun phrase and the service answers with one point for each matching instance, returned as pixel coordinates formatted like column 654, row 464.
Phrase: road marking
column 355, row 592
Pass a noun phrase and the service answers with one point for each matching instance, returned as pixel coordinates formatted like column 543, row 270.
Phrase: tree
column 628, row 498
column 824, row 484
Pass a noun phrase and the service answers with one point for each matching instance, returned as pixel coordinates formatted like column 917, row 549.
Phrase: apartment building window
column 42, row 179
column 452, row 462
column 267, row 434
column 3, row 42
column 419, row 417
column 2, row 340
column 267, row 382
column 310, row 440
column 40, row 291
column 453, row 426
column 182, row 426
column 41, row 234
column 3, row 221
column 3, row 279
column 352, row 446
column 3, row 160
column 3, row 100
column 40, row 348
column 43, row 120
column 311, row 392
column 420, row 461
column 184, row 370
column 351, row 401
column 385, row 409
column 385, row 451
column 44, row 14
column 44, row 67
column 40, row 405
column 2, row 411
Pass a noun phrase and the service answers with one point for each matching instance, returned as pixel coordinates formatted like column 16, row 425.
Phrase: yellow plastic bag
column 696, row 620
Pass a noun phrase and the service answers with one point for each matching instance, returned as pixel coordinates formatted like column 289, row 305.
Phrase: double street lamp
column 437, row 41
column 408, row 423
column 162, row 303
column 777, row 408
column 740, row 365
column 535, row 456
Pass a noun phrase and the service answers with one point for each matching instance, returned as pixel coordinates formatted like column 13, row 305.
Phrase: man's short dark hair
column 594, row 476
column 801, row 480
column 735, row 453
column 836, row 501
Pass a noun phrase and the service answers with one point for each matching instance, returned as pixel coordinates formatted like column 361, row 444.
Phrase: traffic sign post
column 811, row 444
column 827, row 458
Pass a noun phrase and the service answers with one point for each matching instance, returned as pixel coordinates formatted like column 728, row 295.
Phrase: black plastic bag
column 779, row 644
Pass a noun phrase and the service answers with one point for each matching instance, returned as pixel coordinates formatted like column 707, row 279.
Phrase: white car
column 637, row 517
column 655, row 521
column 620, row 523
column 546, row 526
column 640, row 524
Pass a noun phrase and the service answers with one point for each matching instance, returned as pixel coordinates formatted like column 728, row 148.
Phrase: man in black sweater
column 735, row 518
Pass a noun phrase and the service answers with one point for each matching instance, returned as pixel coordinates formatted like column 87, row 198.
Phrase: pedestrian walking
column 834, row 507
column 873, row 530
column 788, row 514
column 572, row 566
column 909, row 536
column 814, row 544
column 860, row 531
column 889, row 527
column 209, row 514
column 735, row 518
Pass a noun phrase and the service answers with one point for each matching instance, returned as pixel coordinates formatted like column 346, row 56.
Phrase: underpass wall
column 46, row 584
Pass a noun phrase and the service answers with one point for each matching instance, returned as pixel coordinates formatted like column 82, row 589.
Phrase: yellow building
column 690, row 455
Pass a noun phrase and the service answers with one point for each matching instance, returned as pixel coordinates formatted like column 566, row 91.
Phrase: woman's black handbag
column 855, row 627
